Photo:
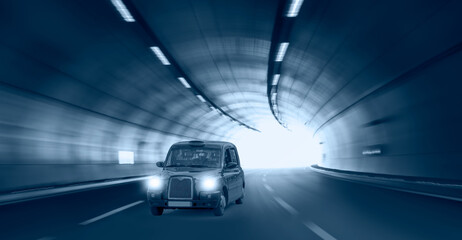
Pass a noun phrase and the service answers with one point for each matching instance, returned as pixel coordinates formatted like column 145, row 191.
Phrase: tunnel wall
column 410, row 126
column 44, row 142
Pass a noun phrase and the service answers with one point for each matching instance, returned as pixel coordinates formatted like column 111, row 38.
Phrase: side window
column 227, row 156
column 233, row 155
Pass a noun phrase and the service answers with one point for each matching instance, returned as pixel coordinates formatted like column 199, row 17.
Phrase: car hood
column 192, row 172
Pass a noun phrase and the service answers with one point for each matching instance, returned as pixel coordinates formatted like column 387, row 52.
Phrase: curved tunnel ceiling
column 222, row 47
column 92, row 78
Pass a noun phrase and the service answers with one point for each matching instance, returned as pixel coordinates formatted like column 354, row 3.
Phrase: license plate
column 179, row 204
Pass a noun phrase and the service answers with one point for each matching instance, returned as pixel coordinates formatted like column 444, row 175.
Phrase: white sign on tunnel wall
column 373, row 150
column 126, row 157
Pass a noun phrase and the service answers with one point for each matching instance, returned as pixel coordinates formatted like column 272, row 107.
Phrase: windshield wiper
column 179, row 165
column 192, row 165
column 198, row 166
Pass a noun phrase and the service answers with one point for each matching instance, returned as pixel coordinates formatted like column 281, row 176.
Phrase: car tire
column 157, row 211
column 241, row 199
column 220, row 209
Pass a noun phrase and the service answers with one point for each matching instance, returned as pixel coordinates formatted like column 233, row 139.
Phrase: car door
column 240, row 174
column 236, row 171
column 228, row 174
column 231, row 175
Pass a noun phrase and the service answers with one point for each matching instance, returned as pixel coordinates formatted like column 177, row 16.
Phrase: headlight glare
column 155, row 183
column 209, row 184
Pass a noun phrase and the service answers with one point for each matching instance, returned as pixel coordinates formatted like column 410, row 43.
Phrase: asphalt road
column 280, row 204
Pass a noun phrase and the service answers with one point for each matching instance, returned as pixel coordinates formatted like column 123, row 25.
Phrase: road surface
column 280, row 204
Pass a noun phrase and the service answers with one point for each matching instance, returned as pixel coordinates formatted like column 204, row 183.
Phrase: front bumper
column 205, row 200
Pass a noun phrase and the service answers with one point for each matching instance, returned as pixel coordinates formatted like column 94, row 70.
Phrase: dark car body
column 198, row 174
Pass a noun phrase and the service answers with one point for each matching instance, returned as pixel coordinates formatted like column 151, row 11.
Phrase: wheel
column 241, row 199
column 220, row 209
column 157, row 211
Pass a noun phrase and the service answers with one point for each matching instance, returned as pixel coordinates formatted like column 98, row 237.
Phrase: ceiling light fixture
column 160, row 55
column 120, row 6
column 281, row 51
column 273, row 97
column 294, row 8
column 184, row 82
column 201, row 98
column 275, row 79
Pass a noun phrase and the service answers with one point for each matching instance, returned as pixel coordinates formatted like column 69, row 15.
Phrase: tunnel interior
column 377, row 89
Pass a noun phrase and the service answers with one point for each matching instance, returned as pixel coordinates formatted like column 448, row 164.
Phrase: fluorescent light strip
column 281, row 51
column 275, row 79
column 294, row 8
column 184, row 82
column 120, row 6
column 160, row 55
column 273, row 97
column 201, row 98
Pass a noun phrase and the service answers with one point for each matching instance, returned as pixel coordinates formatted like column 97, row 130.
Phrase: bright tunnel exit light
column 122, row 9
column 277, row 147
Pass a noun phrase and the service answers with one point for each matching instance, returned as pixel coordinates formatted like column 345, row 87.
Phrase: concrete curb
column 32, row 194
column 440, row 190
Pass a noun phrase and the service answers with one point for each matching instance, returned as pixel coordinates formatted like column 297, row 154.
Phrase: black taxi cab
column 197, row 174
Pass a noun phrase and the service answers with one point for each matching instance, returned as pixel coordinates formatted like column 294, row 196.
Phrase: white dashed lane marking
column 110, row 213
column 268, row 188
column 319, row 231
column 286, row 206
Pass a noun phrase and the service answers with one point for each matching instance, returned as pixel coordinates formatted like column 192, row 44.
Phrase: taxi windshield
column 194, row 157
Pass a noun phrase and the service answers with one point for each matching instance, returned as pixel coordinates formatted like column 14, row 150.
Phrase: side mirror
column 231, row 165
column 160, row 164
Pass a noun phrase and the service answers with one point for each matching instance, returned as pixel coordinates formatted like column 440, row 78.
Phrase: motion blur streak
column 363, row 89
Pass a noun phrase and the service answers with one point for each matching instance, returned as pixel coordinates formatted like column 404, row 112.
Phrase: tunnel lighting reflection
column 281, row 51
column 184, row 82
column 277, row 147
column 275, row 79
column 126, row 157
column 201, row 98
column 160, row 55
column 294, row 8
column 122, row 9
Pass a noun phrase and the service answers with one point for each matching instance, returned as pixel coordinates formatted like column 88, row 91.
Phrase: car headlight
column 209, row 184
column 155, row 183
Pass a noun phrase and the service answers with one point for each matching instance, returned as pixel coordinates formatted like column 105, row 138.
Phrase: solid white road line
column 319, row 231
column 268, row 187
column 286, row 206
column 110, row 213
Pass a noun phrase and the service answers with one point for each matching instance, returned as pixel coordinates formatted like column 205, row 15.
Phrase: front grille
column 180, row 188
